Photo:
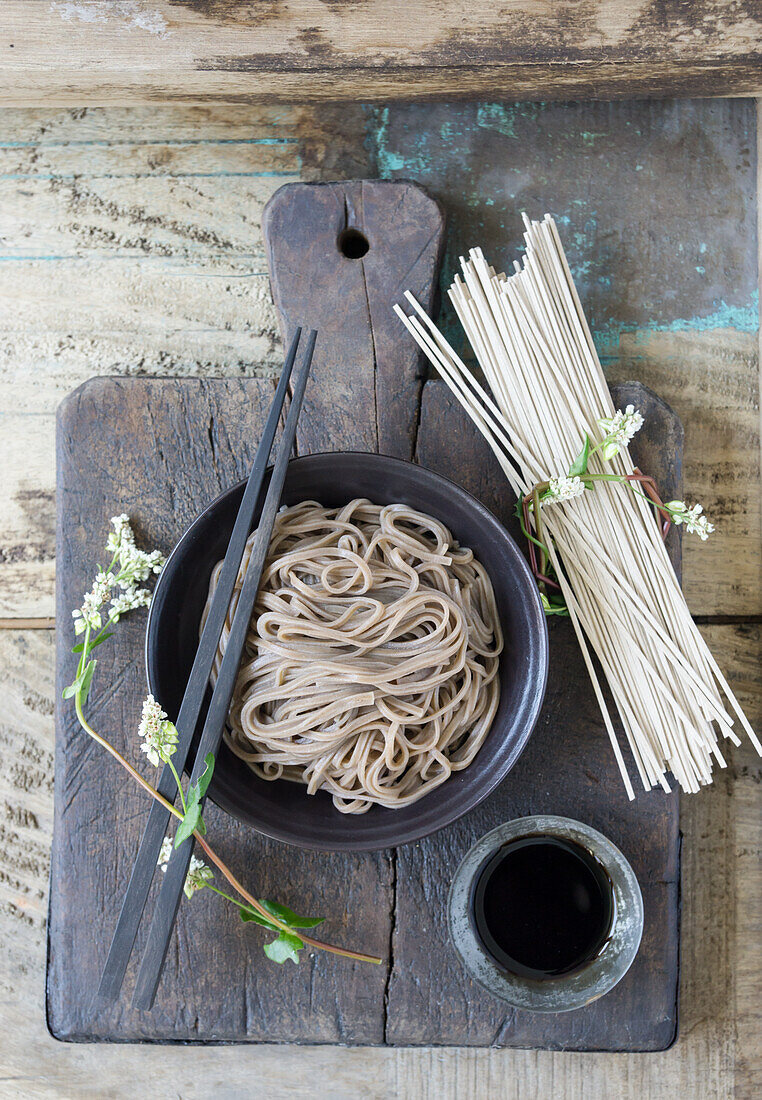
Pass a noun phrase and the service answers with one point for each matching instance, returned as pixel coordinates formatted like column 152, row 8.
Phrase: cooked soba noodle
column 371, row 665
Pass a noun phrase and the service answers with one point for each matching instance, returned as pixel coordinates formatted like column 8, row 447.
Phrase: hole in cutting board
column 353, row 244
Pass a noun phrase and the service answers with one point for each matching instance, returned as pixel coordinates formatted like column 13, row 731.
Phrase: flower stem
column 241, row 889
column 212, row 855
column 179, row 784
column 121, row 760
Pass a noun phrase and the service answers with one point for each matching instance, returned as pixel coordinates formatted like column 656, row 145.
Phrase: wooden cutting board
column 160, row 450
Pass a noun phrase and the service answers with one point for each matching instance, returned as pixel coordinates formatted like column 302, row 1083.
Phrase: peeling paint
column 130, row 14
column 741, row 318
column 676, row 178
column 496, row 116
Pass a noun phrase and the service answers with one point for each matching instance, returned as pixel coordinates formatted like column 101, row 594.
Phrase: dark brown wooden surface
column 568, row 768
column 160, row 450
column 206, row 51
column 365, row 379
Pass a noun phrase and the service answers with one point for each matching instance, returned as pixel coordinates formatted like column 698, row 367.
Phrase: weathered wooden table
column 206, row 51
column 131, row 244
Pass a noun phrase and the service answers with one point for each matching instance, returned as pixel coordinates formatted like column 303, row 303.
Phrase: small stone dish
column 568, row 991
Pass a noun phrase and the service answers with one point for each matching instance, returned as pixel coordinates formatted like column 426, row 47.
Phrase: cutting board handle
column 340, row 255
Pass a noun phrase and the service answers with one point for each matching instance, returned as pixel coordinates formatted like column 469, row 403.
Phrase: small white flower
column 135, row 565
column 122, row 532
column 89, row 613
column 618, row 430
column 563, row 488
column 164, row 853
column 695, row 522
column 130, row 599
column 199, row 875
column 159, row 735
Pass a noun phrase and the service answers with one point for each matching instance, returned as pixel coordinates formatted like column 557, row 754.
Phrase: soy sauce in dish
column 543, row 907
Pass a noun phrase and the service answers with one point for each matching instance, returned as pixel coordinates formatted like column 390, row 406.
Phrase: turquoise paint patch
column 498, row 117
column 740, row 318
column 434, row 147
column 388, row 161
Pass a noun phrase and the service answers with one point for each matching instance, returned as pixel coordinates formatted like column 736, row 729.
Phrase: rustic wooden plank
column 340, row 255
column 716, row 1054
column 166, row 274
column 568, row 768
column 161, row 450
column 104, row 271
column 720, row 408
column 207, row 50
column 657, row 208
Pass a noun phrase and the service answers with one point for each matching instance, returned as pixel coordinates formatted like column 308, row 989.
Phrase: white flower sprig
column 129, row 567
column 159, row 736
column 618, row 430
column 563, row 488
column 134, row 567
column 199, row 874
column 695, row 522
column 89, row 613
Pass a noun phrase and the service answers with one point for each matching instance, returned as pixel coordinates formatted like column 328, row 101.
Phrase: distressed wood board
column 132, row 244
column 172, row 445
column 202, row 51
column 716, row 1056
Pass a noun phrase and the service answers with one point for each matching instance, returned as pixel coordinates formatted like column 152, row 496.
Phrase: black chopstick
column 177, row 868
column 145, row 865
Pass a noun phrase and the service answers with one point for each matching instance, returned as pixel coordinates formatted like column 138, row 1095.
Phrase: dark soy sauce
column 543, row 906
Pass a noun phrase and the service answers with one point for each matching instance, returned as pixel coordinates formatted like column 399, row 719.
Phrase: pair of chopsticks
column 195, row 691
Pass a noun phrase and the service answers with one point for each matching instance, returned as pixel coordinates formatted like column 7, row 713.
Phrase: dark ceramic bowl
column 284, row 810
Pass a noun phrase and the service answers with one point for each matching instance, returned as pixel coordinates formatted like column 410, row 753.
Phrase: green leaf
column 249, row 915
column 287, row 946
column 86, row 680
column 81, row 683
column 200, row 788
column 91, row 645
column 288, row 916
column 579, row 465
column 553, row 606
column 191, row 821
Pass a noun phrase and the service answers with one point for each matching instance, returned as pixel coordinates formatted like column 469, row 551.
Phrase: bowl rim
column 217, row 792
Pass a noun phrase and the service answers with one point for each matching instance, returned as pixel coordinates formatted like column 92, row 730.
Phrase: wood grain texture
column 716, row 1056
column 567, row 768
column 217, row 50
column 201, row 436
column 656, row 206
column 132, row 244
column 366, row 377
column 172, row 447
column 134, row 284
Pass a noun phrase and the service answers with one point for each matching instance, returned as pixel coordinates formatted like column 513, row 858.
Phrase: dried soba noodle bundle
column 547, row 387
column 371, row 664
